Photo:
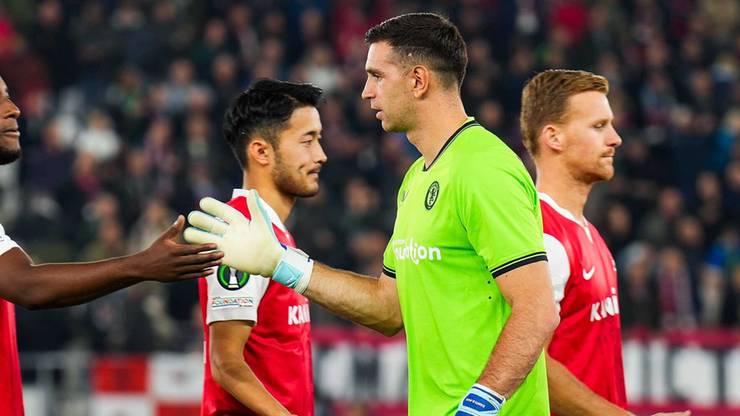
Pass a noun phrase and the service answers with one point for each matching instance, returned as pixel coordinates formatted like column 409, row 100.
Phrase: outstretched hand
column 248, row 245
column 168, row 260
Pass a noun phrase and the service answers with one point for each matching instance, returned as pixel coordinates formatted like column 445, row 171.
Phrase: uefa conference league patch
column 231, row 279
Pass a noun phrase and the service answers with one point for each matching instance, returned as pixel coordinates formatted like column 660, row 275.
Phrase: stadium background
column 122, row 102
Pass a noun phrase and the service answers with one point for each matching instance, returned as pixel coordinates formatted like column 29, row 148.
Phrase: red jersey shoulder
column 552, row 221
column 584, row 245
column 240, row 203
column 556, row 225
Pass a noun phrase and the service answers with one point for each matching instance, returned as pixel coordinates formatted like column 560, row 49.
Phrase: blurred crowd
column 122, row 104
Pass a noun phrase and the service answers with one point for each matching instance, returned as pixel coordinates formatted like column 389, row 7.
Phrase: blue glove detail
column 480, row 401
column 294, row 269
column 287, row 274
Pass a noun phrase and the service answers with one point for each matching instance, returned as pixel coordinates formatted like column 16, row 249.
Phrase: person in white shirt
column 37, row 286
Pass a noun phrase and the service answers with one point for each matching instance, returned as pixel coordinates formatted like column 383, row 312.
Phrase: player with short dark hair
column 257, row 332
column 409, row 35
column 37, row 286
column 567, row 127
column 263, row 111
column 465, row 271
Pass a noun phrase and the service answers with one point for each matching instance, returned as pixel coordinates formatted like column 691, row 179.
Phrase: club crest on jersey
column 231, row 279
column 432, row 194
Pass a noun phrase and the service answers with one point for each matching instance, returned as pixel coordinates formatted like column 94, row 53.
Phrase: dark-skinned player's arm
column 55, row 285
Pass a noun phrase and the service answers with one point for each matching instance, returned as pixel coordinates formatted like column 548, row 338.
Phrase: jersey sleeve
column 389, row 258
column 6, row 243
column 232, row 299
column 559, row 267
column 499, row 208
column 389, row 261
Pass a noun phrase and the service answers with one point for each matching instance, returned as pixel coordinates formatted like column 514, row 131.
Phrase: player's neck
column 568, row 192
column 278, row 201
column 437, row 121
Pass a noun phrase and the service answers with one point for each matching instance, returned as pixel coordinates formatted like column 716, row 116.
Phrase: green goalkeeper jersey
column 470, row 216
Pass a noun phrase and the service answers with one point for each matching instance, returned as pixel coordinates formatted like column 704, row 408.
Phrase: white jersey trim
column 6, row 243
column 559, row 266
column 238, row 304
column 234, row 305
column 565, row 213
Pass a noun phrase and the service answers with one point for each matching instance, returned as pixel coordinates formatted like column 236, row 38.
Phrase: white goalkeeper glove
column 249, row 246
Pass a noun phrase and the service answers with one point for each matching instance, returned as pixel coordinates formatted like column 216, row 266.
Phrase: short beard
column 9, row 155
column 592, row 178
column 288, row 184
column 404, row 124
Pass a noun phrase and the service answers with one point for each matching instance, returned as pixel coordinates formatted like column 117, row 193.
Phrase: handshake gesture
column 249, row 244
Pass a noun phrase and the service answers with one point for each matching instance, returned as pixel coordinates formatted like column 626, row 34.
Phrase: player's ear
column 419, row 78
column 259, row 151
column 551, row 137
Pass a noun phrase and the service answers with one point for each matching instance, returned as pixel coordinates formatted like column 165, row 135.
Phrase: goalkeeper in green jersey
column 465, row 272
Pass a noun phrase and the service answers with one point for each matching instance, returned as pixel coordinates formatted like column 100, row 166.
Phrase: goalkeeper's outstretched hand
column 248, row 245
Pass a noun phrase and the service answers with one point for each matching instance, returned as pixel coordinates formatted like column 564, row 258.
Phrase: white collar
column 560, row 210
column 274, row 218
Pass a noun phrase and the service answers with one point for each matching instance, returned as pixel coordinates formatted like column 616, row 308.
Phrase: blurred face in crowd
column 388, row 88
column 299, row 155
column 10, row 147
column 588, row 138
